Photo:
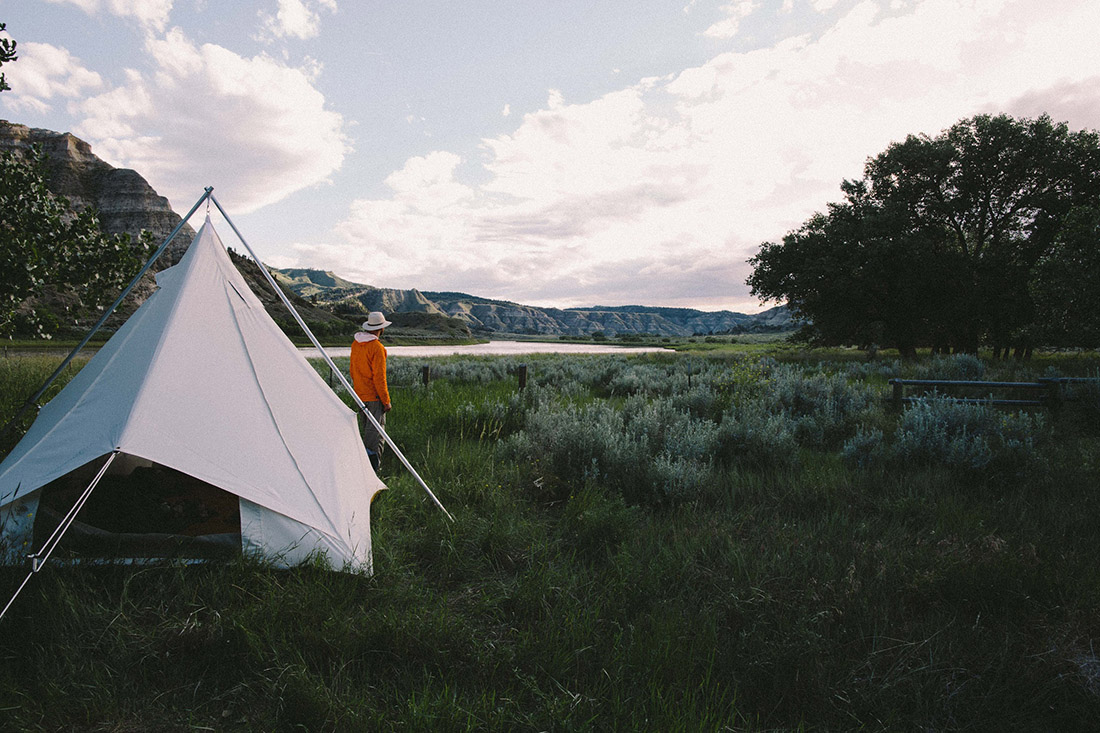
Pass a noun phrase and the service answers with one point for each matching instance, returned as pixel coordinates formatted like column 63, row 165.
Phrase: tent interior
column 139, row 510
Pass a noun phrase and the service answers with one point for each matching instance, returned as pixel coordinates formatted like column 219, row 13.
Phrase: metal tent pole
column 32, row 401
column 343, row 380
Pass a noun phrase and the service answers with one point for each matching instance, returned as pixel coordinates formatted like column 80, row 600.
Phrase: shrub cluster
column 972, row 438
column 671, row 432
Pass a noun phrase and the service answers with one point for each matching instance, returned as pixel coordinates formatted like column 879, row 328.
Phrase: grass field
column 734, row 537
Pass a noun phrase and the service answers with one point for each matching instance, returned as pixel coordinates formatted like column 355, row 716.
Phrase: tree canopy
column 50, row 248
column 7, row 53
column 947, row 241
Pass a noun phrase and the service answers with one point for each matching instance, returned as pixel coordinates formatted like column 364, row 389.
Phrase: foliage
column 973, row 439
column 940, row 240
column 685, row 580
column 1066, row 287
column 7, row 54
column 49, row 247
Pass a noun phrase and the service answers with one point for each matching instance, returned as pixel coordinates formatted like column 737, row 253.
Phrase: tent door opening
column 140, row 510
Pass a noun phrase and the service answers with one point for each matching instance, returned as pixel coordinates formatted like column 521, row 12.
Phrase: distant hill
column 487, row 316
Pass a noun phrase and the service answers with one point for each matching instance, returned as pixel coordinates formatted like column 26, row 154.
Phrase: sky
column 555, row 153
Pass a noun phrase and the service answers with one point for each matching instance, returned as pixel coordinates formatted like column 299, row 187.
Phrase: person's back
column 368, row 376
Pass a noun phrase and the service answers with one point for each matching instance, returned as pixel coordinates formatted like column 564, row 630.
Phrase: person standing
column 368, row 378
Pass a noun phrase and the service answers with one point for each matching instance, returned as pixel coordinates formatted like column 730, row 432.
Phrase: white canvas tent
column 201, row 383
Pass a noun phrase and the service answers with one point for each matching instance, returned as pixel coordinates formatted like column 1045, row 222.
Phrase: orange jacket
column 368, row 369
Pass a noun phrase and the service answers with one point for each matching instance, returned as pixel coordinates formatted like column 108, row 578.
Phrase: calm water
column 494, row 348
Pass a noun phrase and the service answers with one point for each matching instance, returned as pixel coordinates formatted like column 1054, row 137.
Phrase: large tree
column 1066, row 285
column 939, row 241
column 48, row 248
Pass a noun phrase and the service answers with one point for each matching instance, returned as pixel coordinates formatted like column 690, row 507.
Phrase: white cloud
column 735, row 13
column 659, row 192
column 207, row 116
column 45, row 74
column 151, row 13
column 295, row 19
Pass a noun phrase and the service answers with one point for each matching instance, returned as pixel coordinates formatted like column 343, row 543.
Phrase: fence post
column 898, row 393
column 523, row 376
column 1052, row 395
column 426, row 374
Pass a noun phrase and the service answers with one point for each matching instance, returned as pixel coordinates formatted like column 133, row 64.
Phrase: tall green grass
column 658, row 543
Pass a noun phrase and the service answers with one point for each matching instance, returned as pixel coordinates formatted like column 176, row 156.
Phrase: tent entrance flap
column 141, row 510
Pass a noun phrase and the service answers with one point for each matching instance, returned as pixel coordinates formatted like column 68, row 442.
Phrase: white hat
column 375, row 322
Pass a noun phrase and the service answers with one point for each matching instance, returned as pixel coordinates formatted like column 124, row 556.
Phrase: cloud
column 294, row 19
column 1074, row 101
column 153, row 14
column 44, row 74
column 660, row 191
column 735, row 13
column 207, row 116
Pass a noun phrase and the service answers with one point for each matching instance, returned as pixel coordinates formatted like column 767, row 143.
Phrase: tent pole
column 38, row 559
column 343, row 380
column 32, row 401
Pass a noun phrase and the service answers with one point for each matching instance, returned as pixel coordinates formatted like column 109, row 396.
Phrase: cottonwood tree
column 7, row 53
column 939, row 242
column 48, row 247
column 1066, row 286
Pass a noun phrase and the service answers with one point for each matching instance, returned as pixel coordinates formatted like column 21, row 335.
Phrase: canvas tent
column 213, row 416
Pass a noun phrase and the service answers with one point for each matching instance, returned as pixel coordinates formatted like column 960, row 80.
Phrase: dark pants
column 372, row 439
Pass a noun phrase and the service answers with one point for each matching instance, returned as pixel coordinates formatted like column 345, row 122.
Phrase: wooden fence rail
column 1044, row 392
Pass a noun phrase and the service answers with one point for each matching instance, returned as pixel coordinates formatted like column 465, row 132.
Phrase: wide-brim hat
column 376, row 322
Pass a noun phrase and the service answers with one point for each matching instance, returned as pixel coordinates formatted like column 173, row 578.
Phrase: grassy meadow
column 733, row 537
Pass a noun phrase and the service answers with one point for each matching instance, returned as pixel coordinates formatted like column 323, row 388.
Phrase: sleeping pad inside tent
column 227, row 439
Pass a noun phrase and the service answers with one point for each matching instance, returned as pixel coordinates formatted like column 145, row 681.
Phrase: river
column 495, row 348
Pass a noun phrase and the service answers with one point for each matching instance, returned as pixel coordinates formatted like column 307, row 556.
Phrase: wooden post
column 899, row 391
column 1052, row 395
column 523, row 376
column 426, row 375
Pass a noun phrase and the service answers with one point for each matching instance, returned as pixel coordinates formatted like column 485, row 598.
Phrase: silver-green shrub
column 750, row 436
column 961, row 367
column 823, row 409
column 572, row 444
column 676, row 478
column 864, row 449
column 967, row 437
column 660, row 428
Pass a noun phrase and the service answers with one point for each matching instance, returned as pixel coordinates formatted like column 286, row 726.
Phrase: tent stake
column 317, row 344
column 32, row 401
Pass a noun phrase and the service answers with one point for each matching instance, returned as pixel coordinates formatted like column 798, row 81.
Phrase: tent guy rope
column 317, row 344
column 38, row 559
